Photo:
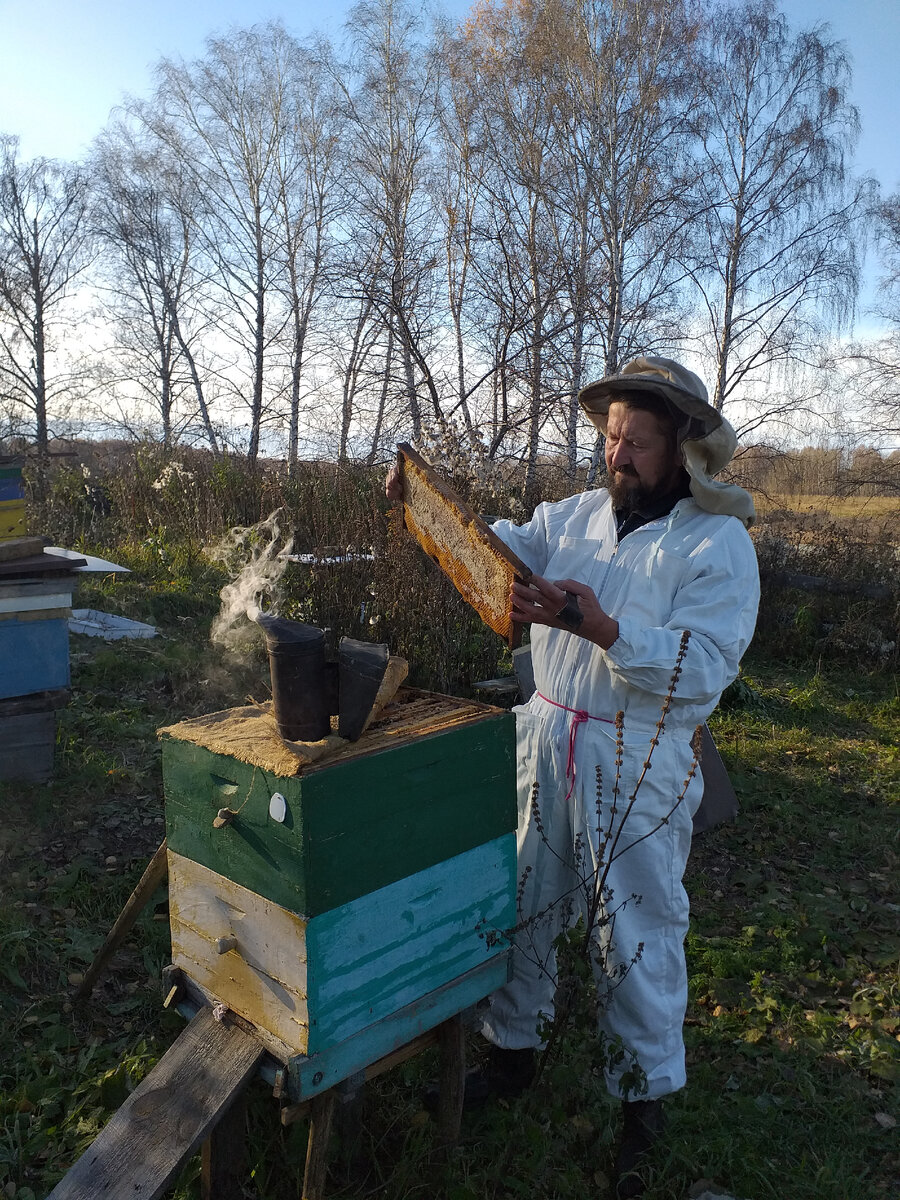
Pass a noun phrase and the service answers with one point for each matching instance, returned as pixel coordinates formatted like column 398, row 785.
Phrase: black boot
column 505, row 1075
column 510, row 1072
column 642, row 1125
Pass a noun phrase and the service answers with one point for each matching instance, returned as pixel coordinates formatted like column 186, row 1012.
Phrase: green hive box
column 389, row 807
column 346, row 907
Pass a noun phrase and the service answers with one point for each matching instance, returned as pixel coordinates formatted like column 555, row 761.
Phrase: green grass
column 793, row 1021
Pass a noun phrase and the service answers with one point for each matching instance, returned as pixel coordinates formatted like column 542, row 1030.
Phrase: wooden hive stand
column 195, row 1099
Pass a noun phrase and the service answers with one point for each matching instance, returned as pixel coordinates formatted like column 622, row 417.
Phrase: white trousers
column 565, row 846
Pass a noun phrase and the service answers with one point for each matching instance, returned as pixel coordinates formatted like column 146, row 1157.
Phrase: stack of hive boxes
column 347, row 906
column 35, row 603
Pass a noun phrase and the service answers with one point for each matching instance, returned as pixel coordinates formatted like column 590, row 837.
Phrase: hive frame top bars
column 480, row 566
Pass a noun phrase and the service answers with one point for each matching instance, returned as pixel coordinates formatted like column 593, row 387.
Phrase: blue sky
column 65, row 63
column 870, row 30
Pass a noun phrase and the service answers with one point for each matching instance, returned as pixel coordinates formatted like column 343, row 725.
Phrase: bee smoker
column 307, row 689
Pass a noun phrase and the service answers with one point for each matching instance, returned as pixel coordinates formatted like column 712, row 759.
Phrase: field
column 867, row 507
column 794, row 1014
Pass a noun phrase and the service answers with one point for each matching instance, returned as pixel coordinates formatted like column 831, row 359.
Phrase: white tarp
column 105, row 625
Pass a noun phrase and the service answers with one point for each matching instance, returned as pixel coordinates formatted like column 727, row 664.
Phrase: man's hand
column 540, row 602
column 393, row 484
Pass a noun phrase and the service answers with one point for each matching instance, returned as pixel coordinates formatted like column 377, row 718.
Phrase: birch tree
column 223, row 118
column 143, row 215
column 623, row 185
column 45, row 248
column 873, row 364
column 391, row 97
column 779, row 264
column 457, row 198
column 312, row 198
column 503, row 53
column 583, row 107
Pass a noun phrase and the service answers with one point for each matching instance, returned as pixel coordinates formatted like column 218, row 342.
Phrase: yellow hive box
column 12, row 519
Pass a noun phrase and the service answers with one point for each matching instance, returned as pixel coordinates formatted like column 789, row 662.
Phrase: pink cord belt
column 579, row 716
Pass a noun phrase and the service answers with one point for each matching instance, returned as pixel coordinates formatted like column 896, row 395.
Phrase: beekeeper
column 620, row 574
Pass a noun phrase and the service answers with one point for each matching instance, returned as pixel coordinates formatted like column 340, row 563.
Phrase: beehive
column 349, row 907
column 35, row 654
column 12, row 503
column 34, row 633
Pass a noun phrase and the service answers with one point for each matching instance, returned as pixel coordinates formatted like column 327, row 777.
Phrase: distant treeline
column 818, row 471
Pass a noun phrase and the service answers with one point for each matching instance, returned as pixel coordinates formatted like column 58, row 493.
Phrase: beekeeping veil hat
column 706, row 439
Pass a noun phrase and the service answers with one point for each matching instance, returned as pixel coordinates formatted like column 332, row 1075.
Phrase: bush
column 829, row 588
column 157, row 511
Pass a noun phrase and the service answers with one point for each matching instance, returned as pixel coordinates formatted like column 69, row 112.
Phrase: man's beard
column 628, row 492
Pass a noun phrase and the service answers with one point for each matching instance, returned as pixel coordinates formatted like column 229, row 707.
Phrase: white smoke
column 257, row 557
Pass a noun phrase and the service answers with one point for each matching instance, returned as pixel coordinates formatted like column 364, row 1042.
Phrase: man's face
column 641, row 457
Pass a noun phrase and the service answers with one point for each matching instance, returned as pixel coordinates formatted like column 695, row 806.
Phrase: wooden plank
column 25, row 588
column 453, row 1078
column 39, row 564
column 310, row 1075
column 19, row 547
column 351, row 828
column 167, row 1117
column 320, row 1119
column 154, row 874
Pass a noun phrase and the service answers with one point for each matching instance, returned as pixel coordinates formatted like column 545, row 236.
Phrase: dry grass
column 868, row 507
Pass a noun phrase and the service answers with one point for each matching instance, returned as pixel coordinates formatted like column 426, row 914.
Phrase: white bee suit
column 689, row 570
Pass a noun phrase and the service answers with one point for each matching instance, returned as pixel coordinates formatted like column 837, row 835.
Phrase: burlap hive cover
column 250, row 734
